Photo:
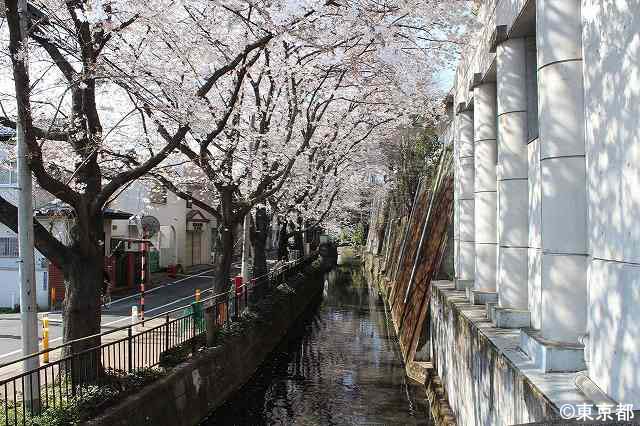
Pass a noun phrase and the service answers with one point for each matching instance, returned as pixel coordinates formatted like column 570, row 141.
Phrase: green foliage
column 178, row 354
column 354, row 235
column 89, row 400
column 412, row 155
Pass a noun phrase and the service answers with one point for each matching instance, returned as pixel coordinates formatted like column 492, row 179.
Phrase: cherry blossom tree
column 334, row 76
column 250, row 99
column 88, row 130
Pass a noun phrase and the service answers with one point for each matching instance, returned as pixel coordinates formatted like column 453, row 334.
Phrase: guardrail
column 122, row 351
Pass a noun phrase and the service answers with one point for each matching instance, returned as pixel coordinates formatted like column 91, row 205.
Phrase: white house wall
column 10, row 280
column 172, row 214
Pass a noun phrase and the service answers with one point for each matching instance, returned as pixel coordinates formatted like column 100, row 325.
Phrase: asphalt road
column 158, row 300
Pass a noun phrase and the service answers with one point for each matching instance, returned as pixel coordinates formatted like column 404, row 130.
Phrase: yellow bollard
column 197, row 294
column 45, row 338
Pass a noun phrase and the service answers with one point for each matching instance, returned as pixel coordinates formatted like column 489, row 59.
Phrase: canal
column 340, row 365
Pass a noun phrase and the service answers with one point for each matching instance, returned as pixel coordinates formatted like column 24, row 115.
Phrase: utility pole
column 246, row 243
column 246, row 229
column 26, row 268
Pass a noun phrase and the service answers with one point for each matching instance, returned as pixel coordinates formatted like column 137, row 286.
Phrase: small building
column 187, row 234
column 58, row 217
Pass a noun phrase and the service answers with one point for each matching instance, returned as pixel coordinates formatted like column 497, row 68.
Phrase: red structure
column 238, row 282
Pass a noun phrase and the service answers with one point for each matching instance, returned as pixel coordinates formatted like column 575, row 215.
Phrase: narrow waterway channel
column 340, row 365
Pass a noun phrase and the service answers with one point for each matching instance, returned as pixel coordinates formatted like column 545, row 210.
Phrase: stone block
column 512, row 277
column 511, row 318
column 483, row 297
column 513, row 213
column 462, row 285
column 552, row 356
column 564, row 205
column 485, row 270
column 490, row 309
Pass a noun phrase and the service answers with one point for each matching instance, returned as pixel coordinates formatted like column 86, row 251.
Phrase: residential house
column 187, row 234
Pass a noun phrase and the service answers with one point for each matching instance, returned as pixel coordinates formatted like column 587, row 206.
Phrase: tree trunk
column 82, row 316
column 223, row 268
column 260, row 243
column 283, row 250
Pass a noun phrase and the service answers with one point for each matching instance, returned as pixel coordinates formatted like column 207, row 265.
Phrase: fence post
column 194, row 329
column 73, row 376
column 227, row 318
column 129, row 350
column 166, row 333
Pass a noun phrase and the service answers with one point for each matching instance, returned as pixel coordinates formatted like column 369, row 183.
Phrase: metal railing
column 123, row 351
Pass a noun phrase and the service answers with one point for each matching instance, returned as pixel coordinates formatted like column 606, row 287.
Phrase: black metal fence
column 123, row 351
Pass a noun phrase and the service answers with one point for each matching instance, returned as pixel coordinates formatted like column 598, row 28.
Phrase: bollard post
column 134, row 314
column 45, row 338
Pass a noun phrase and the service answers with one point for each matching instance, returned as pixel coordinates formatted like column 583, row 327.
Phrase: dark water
column 340, row 365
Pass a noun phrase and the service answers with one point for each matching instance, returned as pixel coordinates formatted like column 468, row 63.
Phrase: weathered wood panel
column 407, row 259
column 428, row 263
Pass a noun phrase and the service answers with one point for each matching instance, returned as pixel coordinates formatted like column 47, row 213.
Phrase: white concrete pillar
column 466, row 249
column 558, row 212
column 485, row 189
column 456, row 199
column 512, row 174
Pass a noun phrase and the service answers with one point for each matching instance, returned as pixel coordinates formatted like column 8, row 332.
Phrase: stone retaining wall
column 198, row 386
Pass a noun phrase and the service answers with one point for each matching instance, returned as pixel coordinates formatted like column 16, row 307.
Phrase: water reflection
column 340, row 365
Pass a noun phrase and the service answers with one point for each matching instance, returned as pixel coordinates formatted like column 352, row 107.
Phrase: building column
column 485, row 193
column 466, row 248
column 558, row 213
column 456, row 201
column 512, row 176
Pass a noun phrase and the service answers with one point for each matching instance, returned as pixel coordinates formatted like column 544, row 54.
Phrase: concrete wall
column 568, row 81
column 487, row 379
column 611, row 49
column 195, row 388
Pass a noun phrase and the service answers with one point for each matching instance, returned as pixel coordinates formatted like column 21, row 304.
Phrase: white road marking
column 161, row 286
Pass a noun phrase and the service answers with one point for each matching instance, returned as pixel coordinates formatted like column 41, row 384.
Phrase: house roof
column 58, row 208
column 196, row 216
